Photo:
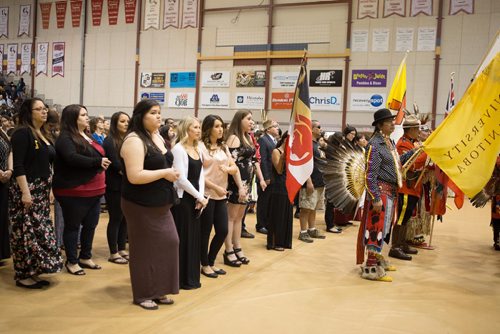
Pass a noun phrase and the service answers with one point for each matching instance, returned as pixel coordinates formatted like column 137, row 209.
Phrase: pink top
column 212, row 160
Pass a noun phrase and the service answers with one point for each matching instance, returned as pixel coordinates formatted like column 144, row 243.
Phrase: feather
column 344, row 173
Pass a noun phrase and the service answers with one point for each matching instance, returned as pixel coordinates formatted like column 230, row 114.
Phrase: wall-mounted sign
column 282, row 100
column 152, row 80
column 325, row 78
column 157, row 96
column 215, row 79
column 369, row 78
column 249, row 100
column 367, row 101
column 182, row 79
column 181, row 100
column 214, row 100
column 250, row 78
column 325, row 101
column 284, row 79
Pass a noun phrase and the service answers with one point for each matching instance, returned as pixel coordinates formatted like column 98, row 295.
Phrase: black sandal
column 88, row 266
column 164, row 301
column 243, row 259
column 152, row 305
column 232, row 263
column 80, row 272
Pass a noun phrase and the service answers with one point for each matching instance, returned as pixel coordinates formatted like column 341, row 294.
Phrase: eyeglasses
column 40, row 109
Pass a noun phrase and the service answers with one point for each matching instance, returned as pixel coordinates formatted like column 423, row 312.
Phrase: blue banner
column 182, row 79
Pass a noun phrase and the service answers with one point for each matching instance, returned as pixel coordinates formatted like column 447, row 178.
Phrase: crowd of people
column 166, row 186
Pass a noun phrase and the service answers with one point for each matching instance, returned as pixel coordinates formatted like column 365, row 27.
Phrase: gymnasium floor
column 313, row 288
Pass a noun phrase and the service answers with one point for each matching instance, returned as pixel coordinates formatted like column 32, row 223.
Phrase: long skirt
column 33, row 242
column 279, row 221
column 4, row 221
column 154, row 251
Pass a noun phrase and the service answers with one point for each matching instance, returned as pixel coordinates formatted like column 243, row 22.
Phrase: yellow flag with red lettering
column 466, row 144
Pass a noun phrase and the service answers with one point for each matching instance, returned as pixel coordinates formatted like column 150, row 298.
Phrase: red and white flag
column 450, row 102
column 299, row 153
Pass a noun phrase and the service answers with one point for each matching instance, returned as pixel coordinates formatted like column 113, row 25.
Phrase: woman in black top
column 147, row 196
column 117, row 228
column 34, row 248
column 79, row 183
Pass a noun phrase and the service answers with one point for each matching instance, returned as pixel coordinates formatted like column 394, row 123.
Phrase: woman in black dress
column 147, row 196
column 243, row 152
column 117, row 228
column 280, row 213
column 190, row 189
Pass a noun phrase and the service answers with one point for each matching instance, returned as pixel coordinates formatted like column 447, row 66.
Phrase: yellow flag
column 466, row 144
column 397, row 95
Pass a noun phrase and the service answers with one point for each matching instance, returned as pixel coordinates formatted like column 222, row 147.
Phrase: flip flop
column 118, row 260
column 88, row 266
column 80, row 272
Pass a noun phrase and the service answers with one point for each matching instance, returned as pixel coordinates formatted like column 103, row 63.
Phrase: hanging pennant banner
column 45, row 9
column 11, row 58
column 24, row 20
column 113, row 8
column 190, row 13
column 171, row 14
column 457, row 6
column 130, row 11
column 96, row 12
column 58, row 59
column 1, row 58
column 25, row 58
column 420, row 7
column 4, row 22
column 42, row 51
column 394, row 7
column 367, row 8
column 61, row 13
column 152, row 15
column 76, row 12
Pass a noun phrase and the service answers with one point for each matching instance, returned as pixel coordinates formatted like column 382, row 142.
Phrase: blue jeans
column 84, row 212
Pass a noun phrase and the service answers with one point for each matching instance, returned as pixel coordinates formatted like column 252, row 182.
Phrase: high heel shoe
column 231, row 263
column 242, row 259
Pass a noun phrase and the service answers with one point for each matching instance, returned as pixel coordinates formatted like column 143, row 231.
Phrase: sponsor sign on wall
column 250, row 78
column 325, row 78
column 181, row 100
column 284, row 79
column 152, row 80
column 367, row 101
column 214, row 100
column 182, row 79
column 249, row 100
column 157, row 96
column 325, row 101
column 215, row 79
column 282, row 100
column 369, row 78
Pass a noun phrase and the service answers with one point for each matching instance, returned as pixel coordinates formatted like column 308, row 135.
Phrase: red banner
column 282, row 100
column 61, row 13
column 45, row 9
column 96, row 12
column 76, row 12
column 130, row 11
column 113, row 7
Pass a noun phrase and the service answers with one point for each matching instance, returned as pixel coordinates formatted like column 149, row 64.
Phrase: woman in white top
column 218, row 164
column 190, row 189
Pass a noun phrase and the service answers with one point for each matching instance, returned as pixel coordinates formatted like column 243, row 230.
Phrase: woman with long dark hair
column 34, row 248
column 117, row 228
column 79, row 183
column 218, row 164
column 243, row 151
column 147, row 196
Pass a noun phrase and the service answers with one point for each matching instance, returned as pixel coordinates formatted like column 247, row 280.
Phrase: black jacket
column 266, row 148
column 31, row 155
column 113, row 176
column 74, row 167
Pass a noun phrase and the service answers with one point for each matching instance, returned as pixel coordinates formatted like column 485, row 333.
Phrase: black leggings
column 117, row 227
column 214, row 214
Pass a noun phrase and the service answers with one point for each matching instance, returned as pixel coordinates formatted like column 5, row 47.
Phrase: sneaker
column 334, row 229
column 246, row 234
column 315, row 234
column 304, row 236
